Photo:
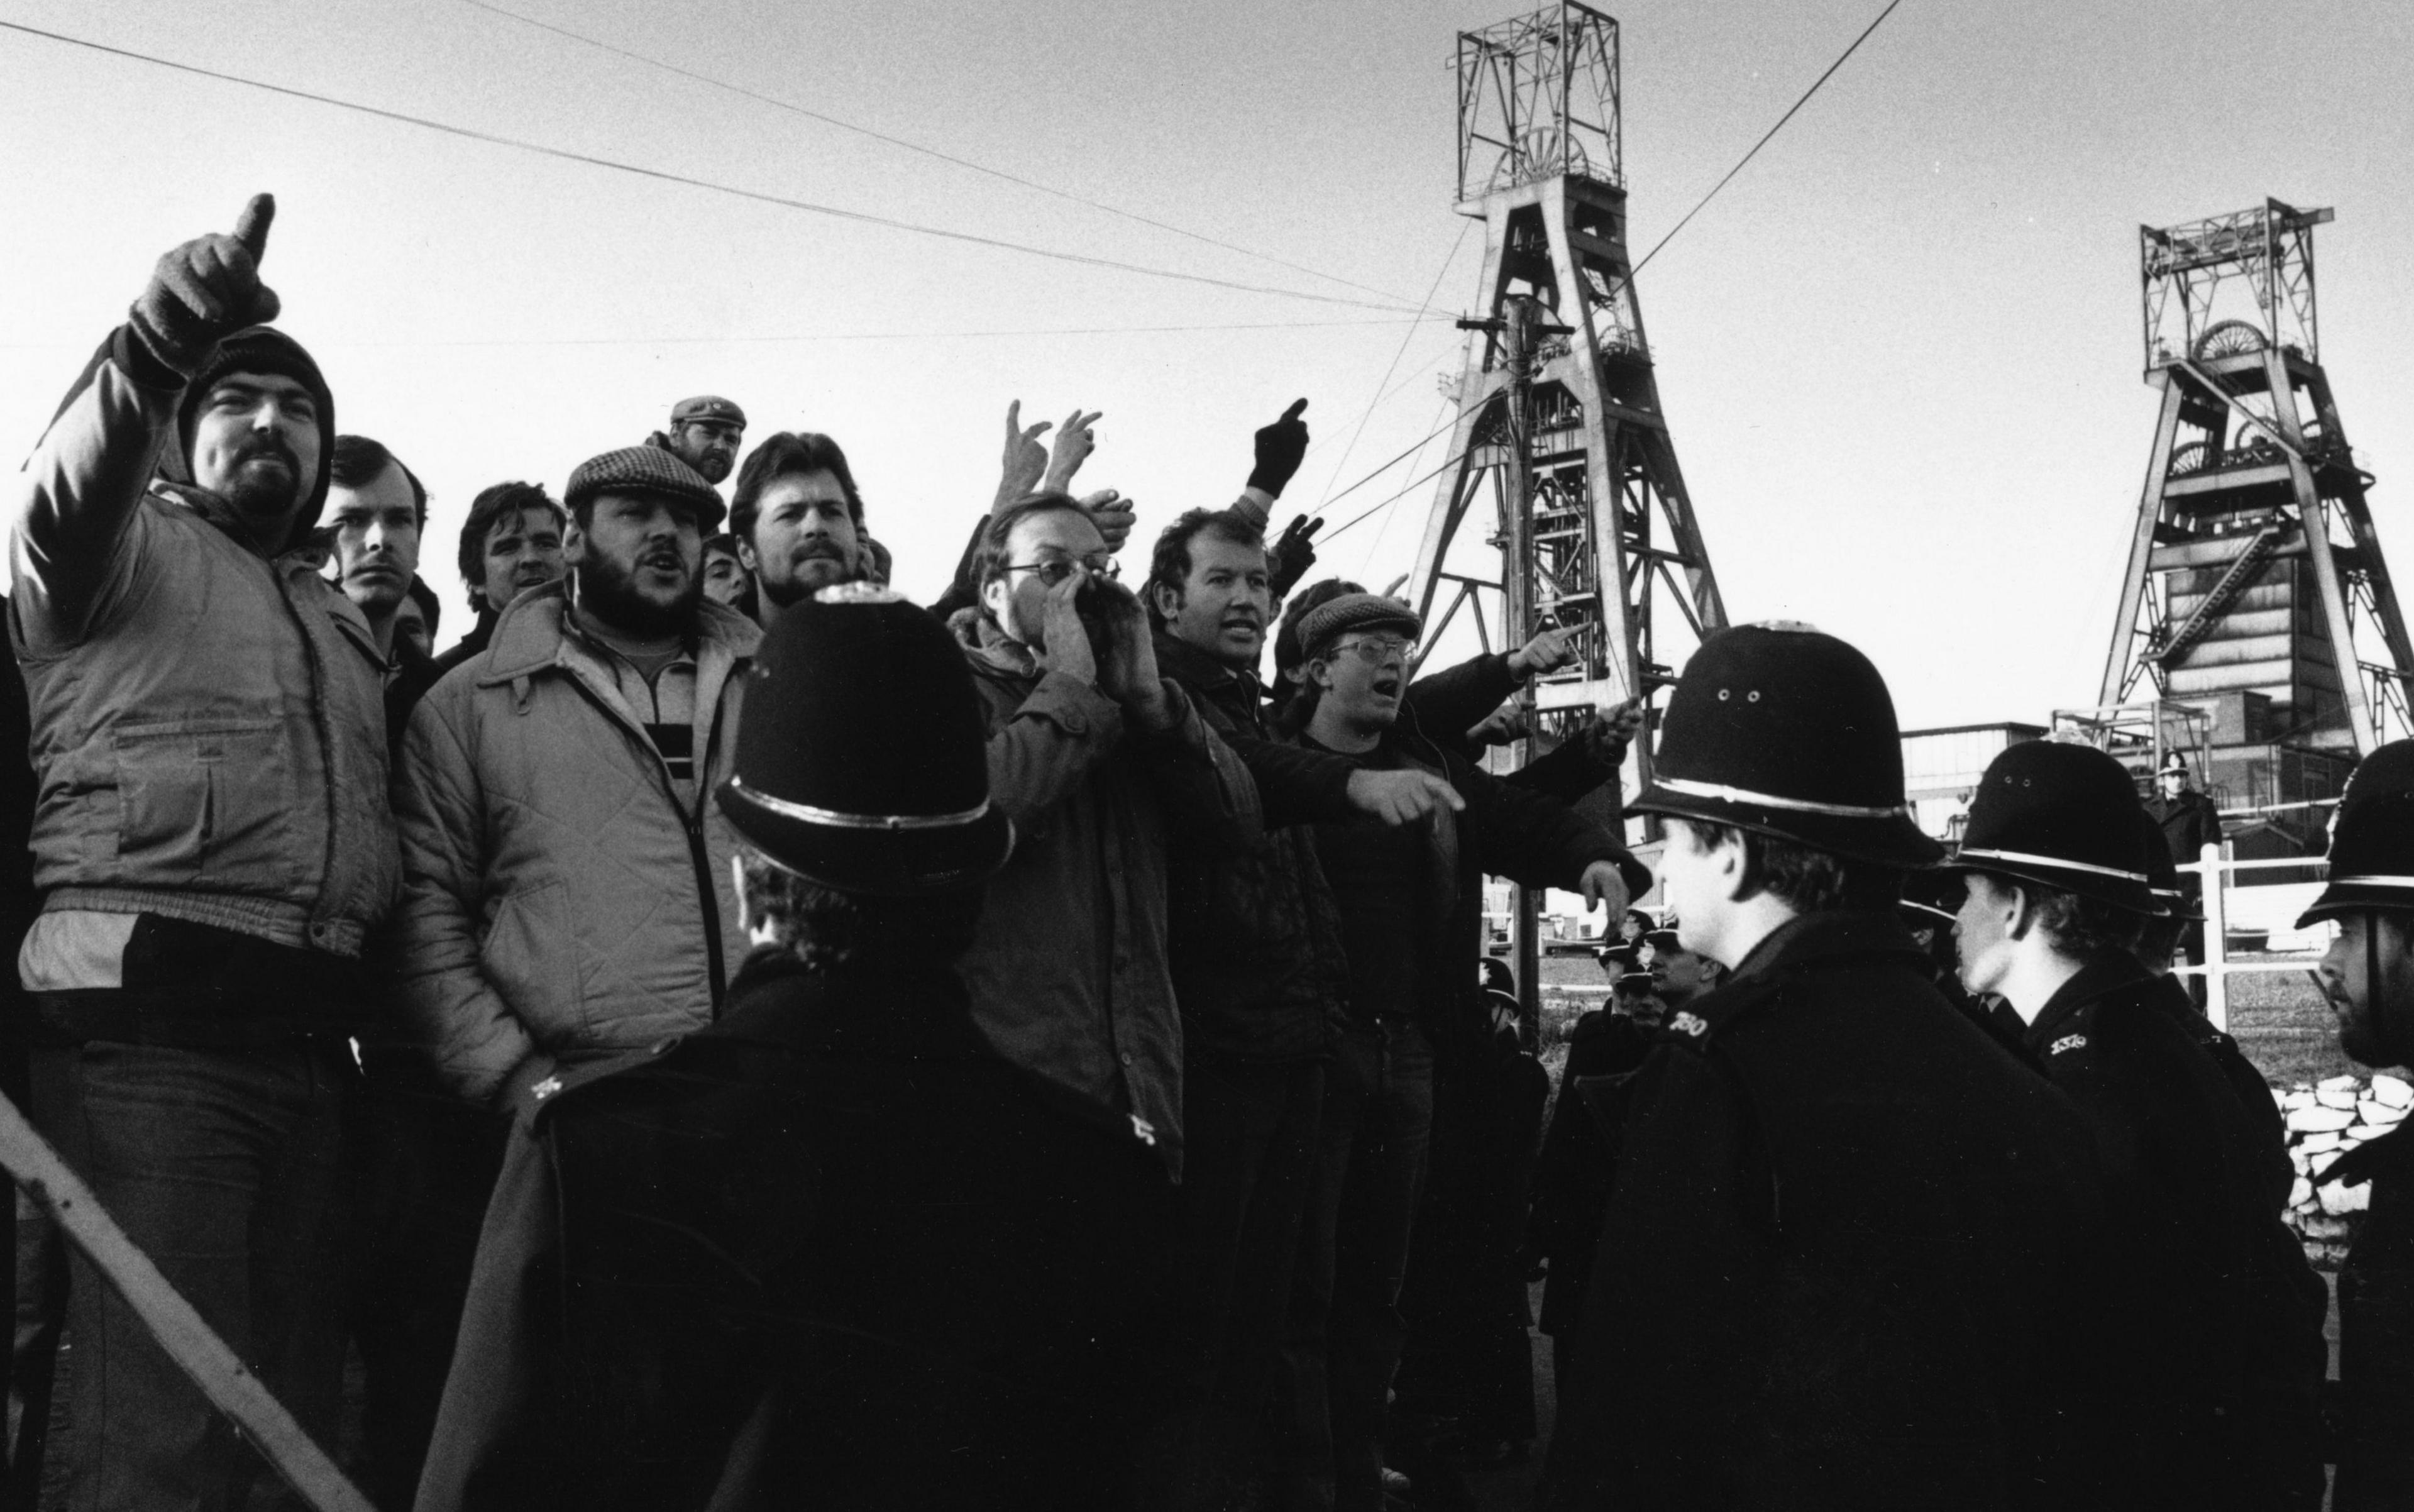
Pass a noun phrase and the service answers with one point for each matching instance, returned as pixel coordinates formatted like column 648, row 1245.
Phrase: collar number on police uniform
column 2068, row 1041
column 1690, row 1023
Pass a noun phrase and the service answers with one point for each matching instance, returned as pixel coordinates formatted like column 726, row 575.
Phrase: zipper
column 708, row 899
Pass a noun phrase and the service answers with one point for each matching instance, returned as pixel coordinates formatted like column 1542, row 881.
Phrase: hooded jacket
column 208, row 727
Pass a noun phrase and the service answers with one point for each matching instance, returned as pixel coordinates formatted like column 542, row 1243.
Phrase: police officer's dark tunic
column 2220, row 1374
column 2376, row 1454
column 1850, row 1259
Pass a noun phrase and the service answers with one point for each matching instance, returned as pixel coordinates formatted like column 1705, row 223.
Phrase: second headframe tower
column 2256, row 586
column 1560, row 421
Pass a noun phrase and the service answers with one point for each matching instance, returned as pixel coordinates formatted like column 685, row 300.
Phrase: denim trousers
column 225, row 1166
column 1345, row 1331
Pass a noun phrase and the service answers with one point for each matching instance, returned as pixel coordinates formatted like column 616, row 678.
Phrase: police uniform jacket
column 1846, row 1261
column 831, row 1251
column 2190, row 823
column 2217, row 1388
column 2375, row 1290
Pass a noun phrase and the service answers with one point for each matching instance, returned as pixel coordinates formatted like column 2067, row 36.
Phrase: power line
column 1406, row 336
column 777, row 103
column 1371, row 509
column 857, row 335
column 1765, row 138
column 661, row 176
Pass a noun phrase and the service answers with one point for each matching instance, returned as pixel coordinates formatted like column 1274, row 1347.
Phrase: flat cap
column 650, row 470
column 1356, row 611
column 708, row 407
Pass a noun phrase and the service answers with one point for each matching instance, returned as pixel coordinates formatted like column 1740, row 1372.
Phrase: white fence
column 2270, row 910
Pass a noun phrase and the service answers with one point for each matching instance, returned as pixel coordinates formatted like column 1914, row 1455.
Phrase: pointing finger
column 1297, row 407
column 251, row 227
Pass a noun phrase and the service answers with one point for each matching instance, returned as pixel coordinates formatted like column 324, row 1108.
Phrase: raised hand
column 1402, row 796
column 1128, row 675
column 207, row 290
column 1294, row 552
column 1602, row 885
column 1549, row 650
column 1075, row 442
column 1069, row 639
column 1280, row 448
column 1113, row 513
column 1612, row 730
column 1026, row 461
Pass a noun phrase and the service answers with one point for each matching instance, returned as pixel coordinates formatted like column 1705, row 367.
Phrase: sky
column 1899, row 354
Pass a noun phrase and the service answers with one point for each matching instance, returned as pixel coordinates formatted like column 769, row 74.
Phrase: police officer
column 2369, row 978
column 2217, row 1391
column 1841, row 1266
column 2190, row 822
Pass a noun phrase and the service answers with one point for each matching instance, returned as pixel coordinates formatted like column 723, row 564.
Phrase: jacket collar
column 2108, row 975
column 533, row 635
column 1807, row 939
column 1187, row 665
column 993, row 651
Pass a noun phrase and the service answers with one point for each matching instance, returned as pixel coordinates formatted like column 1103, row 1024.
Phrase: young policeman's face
column 805, row 538
column 1982, row 933
column 2375, row 1012
column 1223, row 605
column 522, row 552
column 1698, row 876
column 377, row 539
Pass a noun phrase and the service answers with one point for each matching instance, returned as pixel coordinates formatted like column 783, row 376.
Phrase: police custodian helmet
column 2063, row 816
column 2372, row 840
column 1784, row 731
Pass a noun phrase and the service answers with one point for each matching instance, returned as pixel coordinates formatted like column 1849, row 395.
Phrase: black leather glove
column 207, row 290
column 1281, row 447
column 1294, row 552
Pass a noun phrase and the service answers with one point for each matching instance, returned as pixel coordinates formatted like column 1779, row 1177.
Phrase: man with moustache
column 2368, row 976
column 705, row 433
column 798, row 520
column 511, row 542
column 567, row 891
column 213, row 846
column 1262, row 978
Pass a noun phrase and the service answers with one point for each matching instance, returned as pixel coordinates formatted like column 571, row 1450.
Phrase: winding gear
column 2060, row 816
column 1786, row 731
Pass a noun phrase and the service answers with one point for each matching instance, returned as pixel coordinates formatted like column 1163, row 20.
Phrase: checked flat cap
column 650, row 470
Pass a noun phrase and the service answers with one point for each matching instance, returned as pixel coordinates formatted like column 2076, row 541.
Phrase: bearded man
column 567, row 887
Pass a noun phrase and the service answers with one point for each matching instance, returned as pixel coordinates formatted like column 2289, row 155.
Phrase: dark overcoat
column 831, row 1252
column 2376, row 1452
column 1848, row 1259
column 2222, row 1382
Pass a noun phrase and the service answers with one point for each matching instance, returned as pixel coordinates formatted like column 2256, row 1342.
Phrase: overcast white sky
column 1900, row 355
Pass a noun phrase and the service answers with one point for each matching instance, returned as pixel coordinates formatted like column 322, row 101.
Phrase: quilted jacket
column 559, row 901
column 208, row 732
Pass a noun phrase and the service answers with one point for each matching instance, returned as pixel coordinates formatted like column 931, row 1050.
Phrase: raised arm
column 80, row 489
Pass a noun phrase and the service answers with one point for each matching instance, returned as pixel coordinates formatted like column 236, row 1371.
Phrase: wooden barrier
column 199, row 1351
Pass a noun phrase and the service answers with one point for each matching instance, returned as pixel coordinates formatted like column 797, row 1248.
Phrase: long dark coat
column 2221, row 1380
column 2375, row 1462
column 1848, row 1257
column 831, row 1252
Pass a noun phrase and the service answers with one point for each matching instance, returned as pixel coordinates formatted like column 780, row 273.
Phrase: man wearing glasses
column 1408, row 898
column 1094, row 756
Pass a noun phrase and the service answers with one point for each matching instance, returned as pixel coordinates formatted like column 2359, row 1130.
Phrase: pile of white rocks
column 2326, row 1120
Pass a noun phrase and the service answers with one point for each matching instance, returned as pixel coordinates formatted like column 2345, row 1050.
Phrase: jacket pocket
column 530, row 958
column 206, row 803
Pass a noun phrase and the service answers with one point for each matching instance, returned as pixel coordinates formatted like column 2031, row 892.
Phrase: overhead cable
column 1381, row 390
column 1765, row 138
column 665, row 177
column 827, row 119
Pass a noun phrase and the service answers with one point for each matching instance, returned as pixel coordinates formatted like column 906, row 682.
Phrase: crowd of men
column 720, row 1035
